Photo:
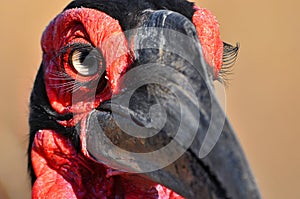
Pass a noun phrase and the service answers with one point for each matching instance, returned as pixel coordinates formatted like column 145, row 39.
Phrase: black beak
column 166, row 125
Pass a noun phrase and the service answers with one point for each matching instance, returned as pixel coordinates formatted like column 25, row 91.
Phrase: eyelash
column 230, row 54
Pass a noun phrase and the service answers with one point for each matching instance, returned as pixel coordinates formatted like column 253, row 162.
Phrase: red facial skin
column 89, row 27
column 209, row 36
column 61, row 171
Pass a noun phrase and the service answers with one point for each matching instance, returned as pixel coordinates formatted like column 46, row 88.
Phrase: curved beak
column 166, row 124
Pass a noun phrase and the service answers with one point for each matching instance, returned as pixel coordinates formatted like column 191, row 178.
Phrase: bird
column 123, row 105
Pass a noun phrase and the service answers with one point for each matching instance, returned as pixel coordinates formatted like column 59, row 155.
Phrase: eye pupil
column 89, row 60
column 83, row 55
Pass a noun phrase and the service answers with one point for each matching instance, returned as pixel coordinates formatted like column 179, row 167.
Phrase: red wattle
column 64, row 173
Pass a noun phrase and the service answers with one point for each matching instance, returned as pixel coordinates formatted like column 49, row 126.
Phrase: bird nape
column 123, row 105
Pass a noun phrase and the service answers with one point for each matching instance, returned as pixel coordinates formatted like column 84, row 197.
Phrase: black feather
column 128, row 12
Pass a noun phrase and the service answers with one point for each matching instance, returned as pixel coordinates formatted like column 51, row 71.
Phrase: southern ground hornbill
column 123, row 105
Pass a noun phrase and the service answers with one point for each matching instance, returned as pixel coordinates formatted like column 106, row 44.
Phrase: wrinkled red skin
column 89, row 27
column 208, row 32
column 65, row 174
column 61, row 171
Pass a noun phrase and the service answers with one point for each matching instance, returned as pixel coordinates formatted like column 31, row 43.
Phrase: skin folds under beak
column 166, row 124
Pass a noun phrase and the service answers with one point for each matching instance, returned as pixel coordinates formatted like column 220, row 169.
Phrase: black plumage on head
column 128, row 12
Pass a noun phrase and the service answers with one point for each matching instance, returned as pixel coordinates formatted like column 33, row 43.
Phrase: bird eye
column 86, row 61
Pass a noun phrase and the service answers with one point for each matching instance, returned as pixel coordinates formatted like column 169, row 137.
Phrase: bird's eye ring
column 86, row 61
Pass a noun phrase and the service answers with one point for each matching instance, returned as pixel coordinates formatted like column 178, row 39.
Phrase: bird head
column 123, row 105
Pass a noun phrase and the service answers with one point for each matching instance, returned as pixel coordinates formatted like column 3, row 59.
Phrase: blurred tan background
column 263, row 99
